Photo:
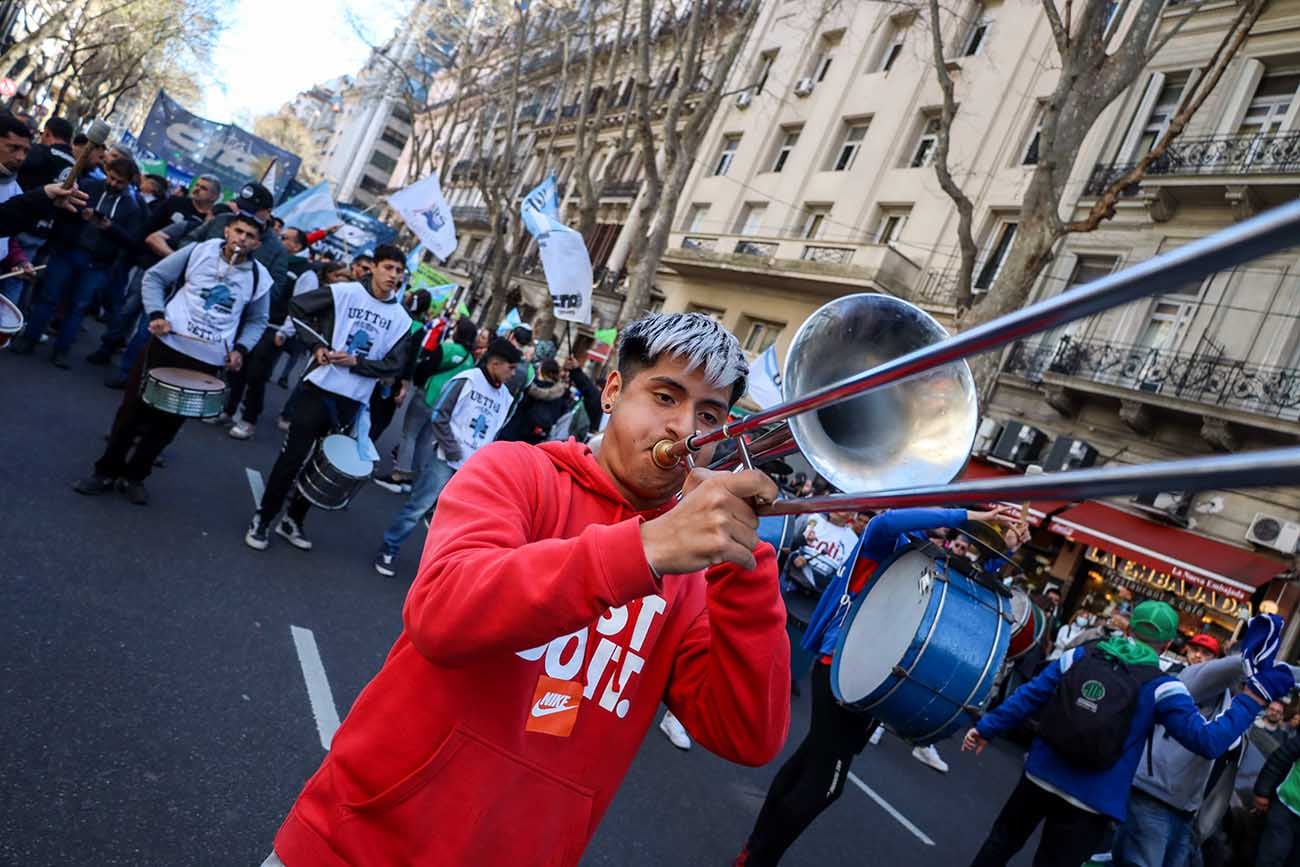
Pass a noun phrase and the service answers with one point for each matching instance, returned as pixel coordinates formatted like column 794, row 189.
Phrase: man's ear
column 613, row 388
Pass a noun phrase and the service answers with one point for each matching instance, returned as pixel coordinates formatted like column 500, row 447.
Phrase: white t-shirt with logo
column 211, row 304
column 832, row 542
column 481, row 410
column 365, row 327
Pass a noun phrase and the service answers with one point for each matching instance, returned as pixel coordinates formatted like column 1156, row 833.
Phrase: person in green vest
column 1277, row 792
column 439, row 365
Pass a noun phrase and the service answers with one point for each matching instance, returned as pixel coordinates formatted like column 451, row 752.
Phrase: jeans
column 317, row 413
column 1279, row 845
column 424, row 496
column 123, row 324
column 1070, row 835
column 71, row 277
column 1154, row 834
column 417, row 414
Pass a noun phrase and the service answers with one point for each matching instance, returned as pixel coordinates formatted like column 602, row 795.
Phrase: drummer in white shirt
column 206, row 304
column 369, row 338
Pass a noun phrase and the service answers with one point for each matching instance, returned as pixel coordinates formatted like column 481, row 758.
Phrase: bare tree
column 1097, row 65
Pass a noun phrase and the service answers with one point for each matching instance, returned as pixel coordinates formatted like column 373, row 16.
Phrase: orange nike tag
column 555, row 706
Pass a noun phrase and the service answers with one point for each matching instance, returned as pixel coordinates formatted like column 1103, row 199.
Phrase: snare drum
column 921, row 646
column 334, row 474
column 11, row 320
column 188, row 393
column 1028, row 624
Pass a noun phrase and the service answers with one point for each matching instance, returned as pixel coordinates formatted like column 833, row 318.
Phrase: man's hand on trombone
column 713, row 523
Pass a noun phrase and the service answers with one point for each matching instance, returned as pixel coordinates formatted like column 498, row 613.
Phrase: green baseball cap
column 1154, row 621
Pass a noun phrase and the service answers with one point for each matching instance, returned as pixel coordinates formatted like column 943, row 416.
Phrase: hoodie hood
column 542, row 390
column 579, row 461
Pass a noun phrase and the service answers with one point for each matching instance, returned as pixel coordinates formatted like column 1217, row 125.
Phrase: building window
column 1171, row 94
column 383, row 162
column 472, row 248
column 814, row 221
column 1270, row 104
column 394, row 138
column 789, row 138
column 1003, row 235
column 978, row 34
column 893, row 45
column 926, row 141
column 712, row 312
column 820, row 66
column 892, row 222
column 751, row 218
column 726, row 154
column 373, row 186
column 1029, row 157
column 850, row 144
column 765, row 61
column 757, row 335
column 695, row 217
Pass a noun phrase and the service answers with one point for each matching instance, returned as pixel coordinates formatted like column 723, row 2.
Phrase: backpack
column 1087, row 721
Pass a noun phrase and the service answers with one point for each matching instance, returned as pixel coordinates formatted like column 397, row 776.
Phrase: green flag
column 607, row 335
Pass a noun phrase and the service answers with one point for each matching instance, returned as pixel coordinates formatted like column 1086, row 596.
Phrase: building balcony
column 1232, row 389
column 466, row 215
column 1264, row 169
column 620, row 190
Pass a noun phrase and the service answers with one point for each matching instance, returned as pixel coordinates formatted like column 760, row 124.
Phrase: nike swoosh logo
column 547, row 711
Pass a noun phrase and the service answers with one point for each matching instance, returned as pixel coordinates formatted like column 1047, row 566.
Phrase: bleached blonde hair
column 697, row 338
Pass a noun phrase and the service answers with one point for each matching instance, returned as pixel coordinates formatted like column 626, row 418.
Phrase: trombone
column 900, row 428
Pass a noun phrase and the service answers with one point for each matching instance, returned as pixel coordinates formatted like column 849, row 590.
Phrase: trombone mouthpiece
column 665, row 454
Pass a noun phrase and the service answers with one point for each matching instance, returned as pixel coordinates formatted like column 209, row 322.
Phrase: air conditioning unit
column 1019, row 445
column 1067, row 453
column 1172, row 506
column 804, row 86
column 1274, row 532
column 744, row 98
column 989, row 431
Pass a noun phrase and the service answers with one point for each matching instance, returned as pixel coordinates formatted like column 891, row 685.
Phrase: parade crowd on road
column 564, row 593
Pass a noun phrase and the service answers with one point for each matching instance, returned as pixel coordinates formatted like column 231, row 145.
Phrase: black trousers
column 382, row 409
column 1070, row 835
column 1279, row 845
column 315, row 414
column 249, row 384
column 814, row 777
column 135, row 419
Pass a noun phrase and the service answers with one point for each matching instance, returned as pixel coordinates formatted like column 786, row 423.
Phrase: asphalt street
column 153, row 708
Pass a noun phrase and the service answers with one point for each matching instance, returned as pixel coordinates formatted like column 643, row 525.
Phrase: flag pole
column 267, row 172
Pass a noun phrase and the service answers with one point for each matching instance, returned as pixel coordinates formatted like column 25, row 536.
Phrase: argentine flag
column 313, row 208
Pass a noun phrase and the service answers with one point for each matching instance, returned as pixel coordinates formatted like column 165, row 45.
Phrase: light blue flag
column 313, row 208
column 540, row 209
column 511, row 322
column 413, row 260
column 765, row 379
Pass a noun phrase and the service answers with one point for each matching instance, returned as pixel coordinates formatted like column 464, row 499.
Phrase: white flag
column 568, row 273
column 765, row 380
column 313, row 208
column 427, row 214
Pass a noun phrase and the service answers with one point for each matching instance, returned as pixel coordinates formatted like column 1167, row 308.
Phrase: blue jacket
column 885, row 534
column 1163, row 700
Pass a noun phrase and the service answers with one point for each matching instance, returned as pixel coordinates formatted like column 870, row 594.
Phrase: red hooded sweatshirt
column 537, row 646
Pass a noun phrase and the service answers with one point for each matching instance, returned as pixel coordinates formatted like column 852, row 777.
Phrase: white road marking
column 255, row 482
column 318, row 686
column 889, row 808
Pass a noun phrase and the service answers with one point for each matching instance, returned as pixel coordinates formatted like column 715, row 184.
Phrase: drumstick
column 18, row 272
column 311, row 332
column 184, row 336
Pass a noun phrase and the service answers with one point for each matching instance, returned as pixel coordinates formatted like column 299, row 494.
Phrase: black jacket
column 44, row 164
column 544, row 403
column 1277, row 767
column 126, row 220
column 317, row 310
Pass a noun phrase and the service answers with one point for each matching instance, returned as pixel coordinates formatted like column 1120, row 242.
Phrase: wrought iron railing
column 467, row 215
column 832, row 255
column 689, row 243
column 1203, row 379
column 620, row 189
column 755, row 248
column 1246, row 153
column 938, row 287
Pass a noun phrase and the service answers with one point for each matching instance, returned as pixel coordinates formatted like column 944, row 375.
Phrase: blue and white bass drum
column 922, row 645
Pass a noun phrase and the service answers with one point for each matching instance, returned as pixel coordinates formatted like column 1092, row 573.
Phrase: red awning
column 1038, row 509
column 1228, row 571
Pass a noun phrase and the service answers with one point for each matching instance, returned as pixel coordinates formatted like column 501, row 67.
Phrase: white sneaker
column 289, row 530
column 877, row 735
column 930, row 756
column 222, row 418
column 242, row 430
column 674, row 731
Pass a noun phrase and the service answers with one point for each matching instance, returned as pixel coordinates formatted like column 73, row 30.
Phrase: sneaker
column 256, row 537
column 93, row 485
column 876, row 735
column 289, row 530
column 675, row 732
column 135, row 492
column 282, row 423
column 99, row 358
column 384, row 564
column 390, row 482
column 242, row 430
column 223, row 418
column 60, row 360
column 930, row 756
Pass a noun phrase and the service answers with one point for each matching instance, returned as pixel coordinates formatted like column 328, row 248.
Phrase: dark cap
column 503, row 349
column 253, row 198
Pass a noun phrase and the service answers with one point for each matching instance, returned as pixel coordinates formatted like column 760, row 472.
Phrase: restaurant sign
column 1192, row 590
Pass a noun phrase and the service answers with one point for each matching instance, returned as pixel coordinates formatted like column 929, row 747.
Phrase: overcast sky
column 272, row 49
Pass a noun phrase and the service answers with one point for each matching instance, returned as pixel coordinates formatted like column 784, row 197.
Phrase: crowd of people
column 596, row 585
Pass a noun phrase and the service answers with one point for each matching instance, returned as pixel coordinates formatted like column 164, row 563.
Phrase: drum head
column 341, row 451
column 1022, row 608
column 882, row 626
column 11, row 318
column 182, row 378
